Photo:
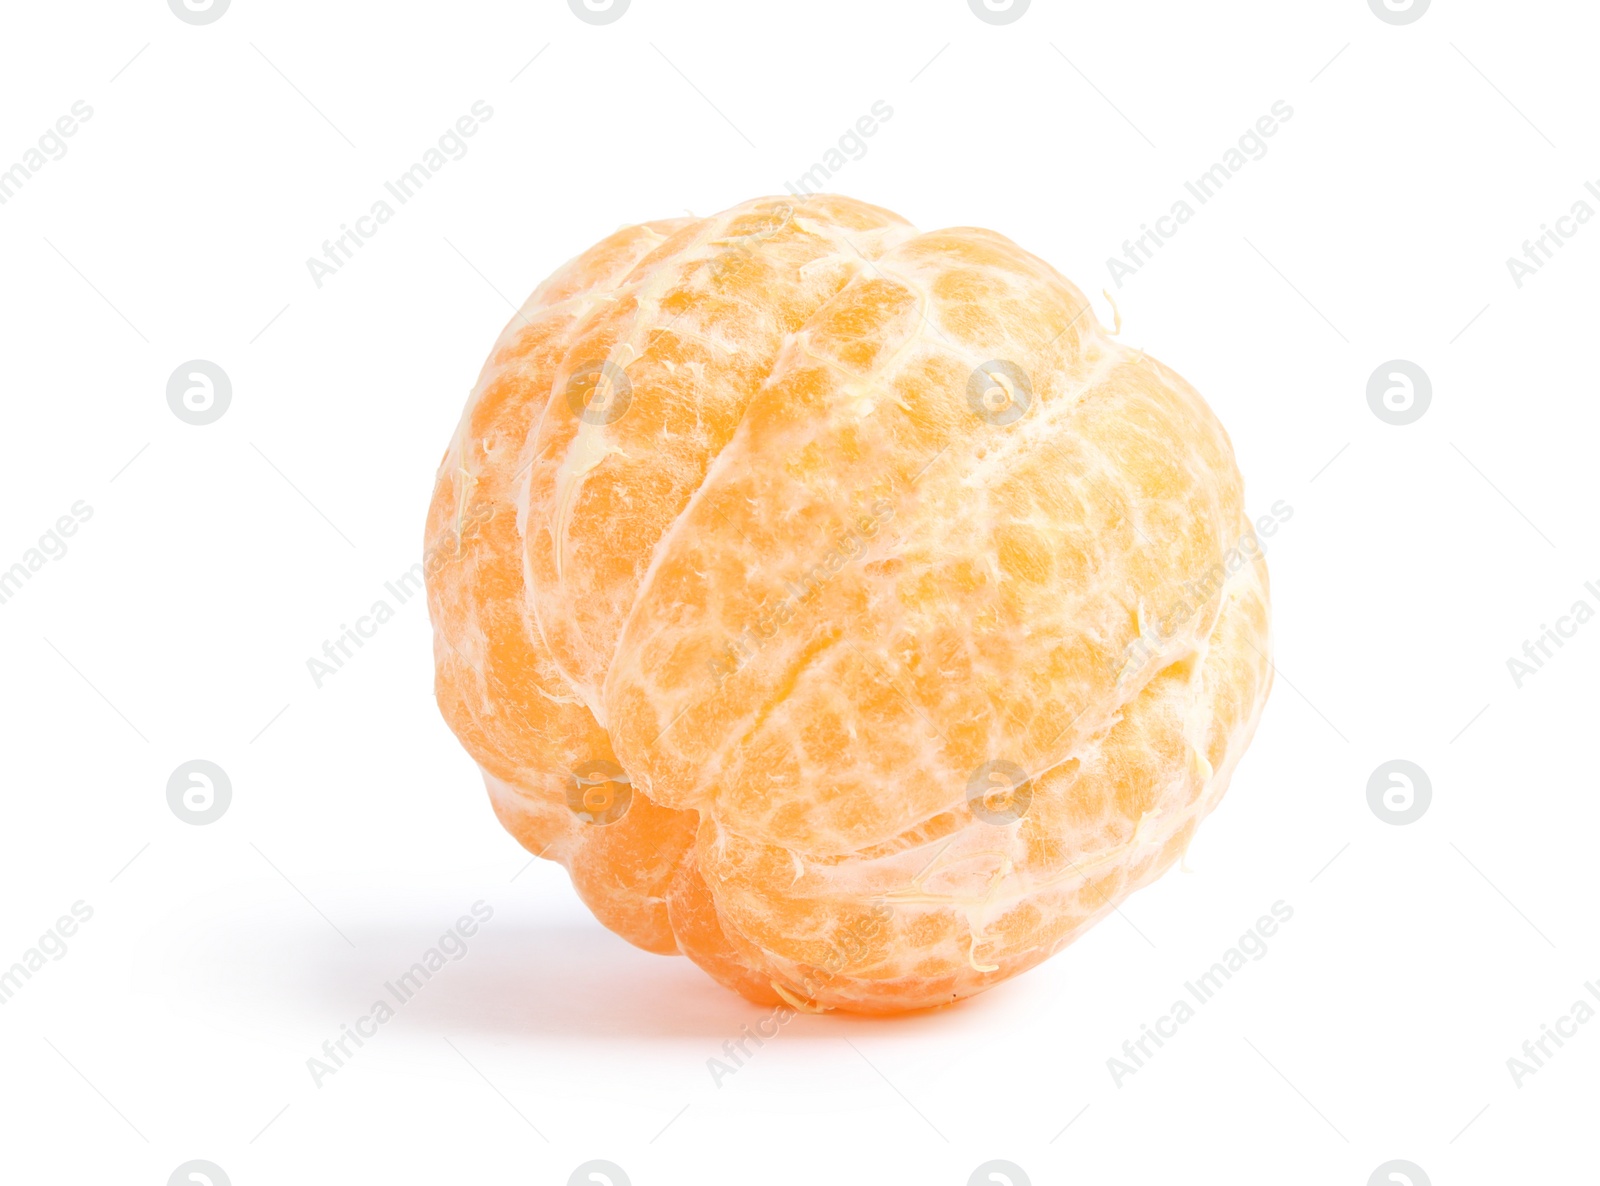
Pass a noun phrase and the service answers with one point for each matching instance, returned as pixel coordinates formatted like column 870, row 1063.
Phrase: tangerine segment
column 957, row 908
column 840, row 604
column 680, row 347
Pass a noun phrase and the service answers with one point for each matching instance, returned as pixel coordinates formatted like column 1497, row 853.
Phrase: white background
column 219, row 558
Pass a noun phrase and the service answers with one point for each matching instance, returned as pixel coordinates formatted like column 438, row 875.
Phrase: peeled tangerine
column 839, row 603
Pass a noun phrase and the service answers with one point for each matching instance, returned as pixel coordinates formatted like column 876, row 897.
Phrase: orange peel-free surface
column 839, row 603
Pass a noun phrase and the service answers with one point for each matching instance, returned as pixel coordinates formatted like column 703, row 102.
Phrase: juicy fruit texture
column 839, row 603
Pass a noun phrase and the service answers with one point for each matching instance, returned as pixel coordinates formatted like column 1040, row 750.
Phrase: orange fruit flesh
column 791, row 523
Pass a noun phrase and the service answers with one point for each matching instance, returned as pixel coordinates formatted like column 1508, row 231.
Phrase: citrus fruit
column 840, row 603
